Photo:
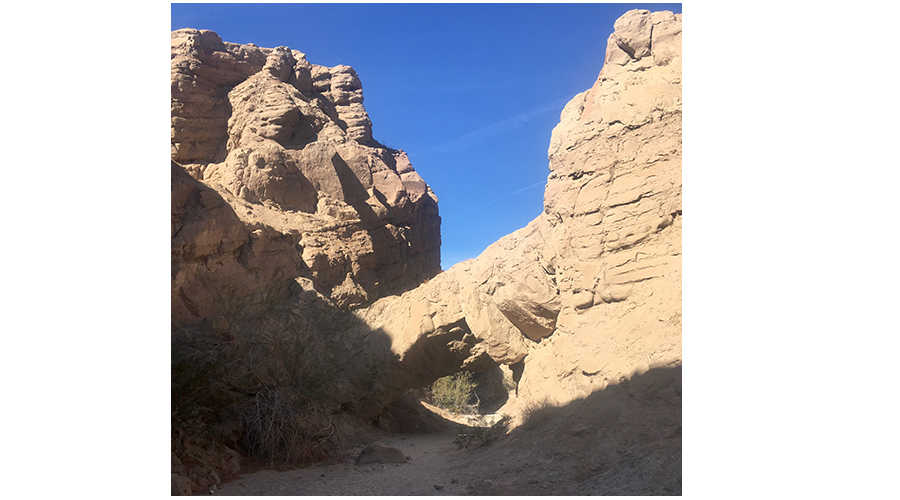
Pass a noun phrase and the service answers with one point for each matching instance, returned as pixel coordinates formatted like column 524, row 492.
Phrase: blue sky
column 470, row 91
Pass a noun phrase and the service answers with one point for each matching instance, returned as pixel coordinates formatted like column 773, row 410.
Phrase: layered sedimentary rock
column 589, row 293
column 280, row 195
column 276, row 176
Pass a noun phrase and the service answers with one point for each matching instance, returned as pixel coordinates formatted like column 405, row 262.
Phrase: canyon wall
column 278, row 185
column 589, row 293
column 283, row 200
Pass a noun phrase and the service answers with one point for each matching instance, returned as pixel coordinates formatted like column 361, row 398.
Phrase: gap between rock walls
column 310, row 312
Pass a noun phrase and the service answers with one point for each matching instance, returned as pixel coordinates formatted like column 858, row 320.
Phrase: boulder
column 379, row 452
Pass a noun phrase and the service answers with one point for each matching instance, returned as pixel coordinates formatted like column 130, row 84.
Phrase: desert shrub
column 279, row 370
column 304, row 367
column 278, row 429
column 201, row 364
column 482, row 433
column 455, row 393
column 209, row 363
column 537, row 412
column 304, row 354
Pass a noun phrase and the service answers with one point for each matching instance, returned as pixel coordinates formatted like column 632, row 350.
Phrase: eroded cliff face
column 277, row 183
column 589, row 293
column 282, row 199
column 613, row 207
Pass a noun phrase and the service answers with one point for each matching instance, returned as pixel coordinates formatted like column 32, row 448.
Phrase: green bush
column 455, row 393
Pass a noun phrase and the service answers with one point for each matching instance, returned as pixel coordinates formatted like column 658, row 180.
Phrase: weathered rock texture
column 276, row 176
column 280, row 195
column 589, row 293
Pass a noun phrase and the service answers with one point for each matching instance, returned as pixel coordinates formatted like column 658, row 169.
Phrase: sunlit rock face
column 278, row 186
column 589, row 293
column 280, row 195
column 288, row 183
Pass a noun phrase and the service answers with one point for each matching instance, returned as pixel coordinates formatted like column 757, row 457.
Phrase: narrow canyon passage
column 308, row 295
column 623, row 440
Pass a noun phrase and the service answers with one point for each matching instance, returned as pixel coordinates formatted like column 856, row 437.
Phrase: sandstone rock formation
column 589, row 293
column 285, row 182
column 285, row 213
column 280, row 195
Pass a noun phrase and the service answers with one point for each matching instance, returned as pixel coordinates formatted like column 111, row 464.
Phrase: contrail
column 510, row 194
column 483, row 133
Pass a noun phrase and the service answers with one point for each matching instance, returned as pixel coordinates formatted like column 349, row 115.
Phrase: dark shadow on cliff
column 270, row 373
column 213, row 256
column 264, row 370
column 276, row 388
column 623, row 440
column 392, row 252
column 282, row 391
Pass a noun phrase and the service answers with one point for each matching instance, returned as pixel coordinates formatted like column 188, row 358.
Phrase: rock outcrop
column 276, row 178
column 281, row 196
column 381, row 453
column 589, row 293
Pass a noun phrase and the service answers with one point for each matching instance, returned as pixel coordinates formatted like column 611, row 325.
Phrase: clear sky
column 470, row 91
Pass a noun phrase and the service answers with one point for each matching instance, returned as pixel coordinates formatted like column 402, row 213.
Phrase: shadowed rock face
column 288, row 183
column 589, row 293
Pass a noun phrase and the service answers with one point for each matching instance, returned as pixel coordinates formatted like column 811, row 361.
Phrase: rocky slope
column 293, row 185
column 285, row 213
column 589, row 293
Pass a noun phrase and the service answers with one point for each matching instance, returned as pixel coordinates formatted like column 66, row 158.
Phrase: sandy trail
column 433, row 460
column 624, row 440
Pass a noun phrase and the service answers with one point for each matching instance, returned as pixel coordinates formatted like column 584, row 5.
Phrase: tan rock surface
column 217, row 259
column 287, row 146
column 589, row 293
column 613, row 204
column 280, row 192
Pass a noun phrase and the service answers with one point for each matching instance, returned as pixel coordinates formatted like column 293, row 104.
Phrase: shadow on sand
column 623, row 440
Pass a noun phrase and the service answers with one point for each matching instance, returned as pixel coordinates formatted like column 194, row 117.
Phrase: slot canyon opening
column 467, row 394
